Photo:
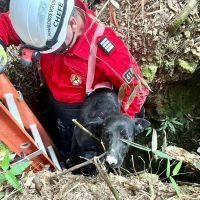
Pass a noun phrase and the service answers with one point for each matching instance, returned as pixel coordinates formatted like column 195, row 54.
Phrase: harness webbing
column 92, row 63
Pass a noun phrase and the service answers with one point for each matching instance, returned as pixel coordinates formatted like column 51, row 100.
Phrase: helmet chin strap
column 65, row 47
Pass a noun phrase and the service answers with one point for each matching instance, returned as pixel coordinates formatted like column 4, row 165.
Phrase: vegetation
column 10, row 172
column 167, row 125
column 170, row 64
column 174, row 173
column 162, row 155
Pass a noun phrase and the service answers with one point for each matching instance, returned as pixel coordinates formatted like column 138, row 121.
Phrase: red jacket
column 66, row 74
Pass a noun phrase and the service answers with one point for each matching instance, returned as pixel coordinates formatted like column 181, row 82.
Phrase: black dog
column 101, row 115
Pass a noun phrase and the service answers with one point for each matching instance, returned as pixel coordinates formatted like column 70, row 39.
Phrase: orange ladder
column 17, row 121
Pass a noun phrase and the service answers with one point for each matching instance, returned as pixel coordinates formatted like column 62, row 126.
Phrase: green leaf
column 168, row 168
column 5, row 162
column 177, row 168
column 19, row 167
column 165, row 125
column 149, row 131
column 177, row 122
column 198, row 150
column 2, row 178
column 175, row 186
column 154, row 143
column 2, row 195
column 162, row 155
column 12, row 180
column 161, row 128
column 171, row 126
column 133, row 144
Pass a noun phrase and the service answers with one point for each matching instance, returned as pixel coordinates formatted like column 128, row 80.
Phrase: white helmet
column 41, row 24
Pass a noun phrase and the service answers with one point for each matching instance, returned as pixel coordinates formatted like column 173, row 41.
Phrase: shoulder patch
column 128, row 75
column 106, row 45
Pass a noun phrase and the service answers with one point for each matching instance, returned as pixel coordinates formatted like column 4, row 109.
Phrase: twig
column 142, row 196
column 174, row 162
column 188, row 183
column 112, row 14
column 150, row 161
column 125, row 170
column 151, row 191
column 106, row 178
column 85, row 130
column 184, row 173
column 79, row 166
column 107, row 2
column 143, row 161
column 142, row 7
column 159, row 165
column 133, row 164
column 67, row 192
column 137, row 9
column 128, row 21
column 180, row 18
column 140, row 79
column 88, row 132
column 13, row 192
column 155, row 12
column 116, row 172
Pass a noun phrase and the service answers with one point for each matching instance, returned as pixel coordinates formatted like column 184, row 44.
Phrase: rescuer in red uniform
column 78, row 55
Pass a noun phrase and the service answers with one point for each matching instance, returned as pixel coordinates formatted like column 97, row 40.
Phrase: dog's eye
column 124, row 134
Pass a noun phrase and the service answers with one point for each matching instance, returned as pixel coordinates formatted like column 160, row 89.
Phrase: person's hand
column 3, row 59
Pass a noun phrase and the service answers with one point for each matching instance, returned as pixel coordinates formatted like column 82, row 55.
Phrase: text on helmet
column 58, row 16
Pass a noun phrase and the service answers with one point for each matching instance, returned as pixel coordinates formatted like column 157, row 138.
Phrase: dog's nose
column 112, row 161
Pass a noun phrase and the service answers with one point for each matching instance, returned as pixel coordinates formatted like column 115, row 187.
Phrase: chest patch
column 75, row 80
column 106, row 45
column 128, row 75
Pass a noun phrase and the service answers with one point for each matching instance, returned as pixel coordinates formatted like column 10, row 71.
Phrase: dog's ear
column 140, row 124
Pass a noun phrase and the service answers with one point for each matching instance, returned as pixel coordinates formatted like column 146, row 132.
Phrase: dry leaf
column 131, row 97
column 122, row 92
column 140, row 79
column 182, row 154
column 115, row 4
column 172, row 5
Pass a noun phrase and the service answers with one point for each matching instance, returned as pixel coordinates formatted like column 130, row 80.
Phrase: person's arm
column 7, row 34
column 118, row 66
